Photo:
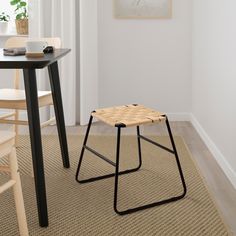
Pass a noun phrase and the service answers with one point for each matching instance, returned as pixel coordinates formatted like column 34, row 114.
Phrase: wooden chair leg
column 16, row 128
column 18, row 196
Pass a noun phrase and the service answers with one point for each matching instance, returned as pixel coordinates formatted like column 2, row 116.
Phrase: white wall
column 214, row 79
column 88, row 59
column 145, row 61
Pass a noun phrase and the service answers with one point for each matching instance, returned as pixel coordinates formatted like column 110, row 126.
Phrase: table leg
column 36, row 144
column 58, row 107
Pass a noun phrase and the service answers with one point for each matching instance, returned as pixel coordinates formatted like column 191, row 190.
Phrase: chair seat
column 129, row 115
column 15, row 98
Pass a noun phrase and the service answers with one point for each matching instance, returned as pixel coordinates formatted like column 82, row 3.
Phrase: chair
column 122, row 117
column 7, row 150
column 14, row 99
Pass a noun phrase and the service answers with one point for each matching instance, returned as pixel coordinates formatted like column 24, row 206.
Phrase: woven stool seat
column 129, row 115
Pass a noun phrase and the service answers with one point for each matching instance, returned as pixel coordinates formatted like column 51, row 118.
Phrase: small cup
column 35, row 46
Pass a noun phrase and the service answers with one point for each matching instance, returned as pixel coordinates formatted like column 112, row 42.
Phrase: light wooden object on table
column 14, row 98
column 7, row 149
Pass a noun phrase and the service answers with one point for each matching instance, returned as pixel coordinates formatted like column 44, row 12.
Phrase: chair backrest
column 21, row 42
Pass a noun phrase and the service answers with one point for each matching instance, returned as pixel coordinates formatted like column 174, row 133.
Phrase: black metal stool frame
column 116, row 165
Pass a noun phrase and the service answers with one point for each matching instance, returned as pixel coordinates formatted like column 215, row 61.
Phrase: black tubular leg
column 117, row 170
column 139, row 148
column 177, row 157
column 103, row 176
column 59, row 113
column 147, row 206
column 83, row 149
column 36, row 144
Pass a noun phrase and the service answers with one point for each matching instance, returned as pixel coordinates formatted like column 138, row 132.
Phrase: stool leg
column 139, row 148
column 117, row 170
column 83, row 148
column 18, row 196
column 176, row 157
column 168, row 200
column 99, row 155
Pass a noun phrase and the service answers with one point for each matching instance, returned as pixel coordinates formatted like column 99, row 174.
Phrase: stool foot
column 144, row 207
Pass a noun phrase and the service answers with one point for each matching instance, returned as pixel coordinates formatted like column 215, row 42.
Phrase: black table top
column 22, row 62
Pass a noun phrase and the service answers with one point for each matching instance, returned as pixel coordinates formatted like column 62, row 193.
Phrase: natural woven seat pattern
column 129, row 115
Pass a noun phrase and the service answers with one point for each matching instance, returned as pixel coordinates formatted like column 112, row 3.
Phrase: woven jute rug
column 87, row 209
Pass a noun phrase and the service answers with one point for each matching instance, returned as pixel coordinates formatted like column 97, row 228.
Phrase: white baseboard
column 220, row 158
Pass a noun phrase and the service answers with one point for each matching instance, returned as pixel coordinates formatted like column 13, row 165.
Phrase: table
column 29, row 66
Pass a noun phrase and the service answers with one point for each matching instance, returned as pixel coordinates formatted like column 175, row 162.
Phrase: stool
column 7, row 142
column 122, row 117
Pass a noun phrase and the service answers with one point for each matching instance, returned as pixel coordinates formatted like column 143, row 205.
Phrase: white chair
column 14, row 98
column 7, row 149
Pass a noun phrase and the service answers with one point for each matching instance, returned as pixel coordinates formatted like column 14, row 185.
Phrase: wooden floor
column 218, row 184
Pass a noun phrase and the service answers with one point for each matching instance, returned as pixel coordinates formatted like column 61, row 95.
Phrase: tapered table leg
column 58, row 106
column 36, row 144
